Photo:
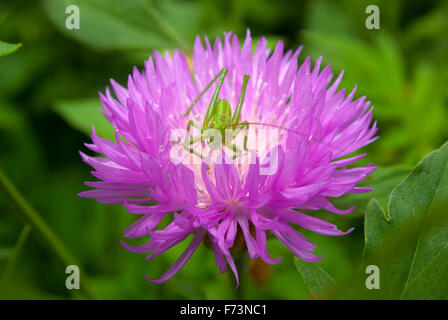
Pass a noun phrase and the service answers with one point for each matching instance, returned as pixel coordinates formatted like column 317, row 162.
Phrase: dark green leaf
column 83, row 113
column 412, row 247
column 375, row 225
column 316, row 279
column 8, row 48
column 113, row 24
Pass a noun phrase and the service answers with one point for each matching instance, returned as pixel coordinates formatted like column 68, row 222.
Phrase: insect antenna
column 204, row 91
column 273, row 126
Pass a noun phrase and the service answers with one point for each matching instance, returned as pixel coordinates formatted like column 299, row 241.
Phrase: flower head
column 222, row 196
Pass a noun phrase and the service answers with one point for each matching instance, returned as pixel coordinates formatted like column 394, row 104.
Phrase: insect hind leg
column 218, row 75
column 187, row 143
column 235, row 132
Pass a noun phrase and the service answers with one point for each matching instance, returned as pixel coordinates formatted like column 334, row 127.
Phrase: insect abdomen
column 222, row 116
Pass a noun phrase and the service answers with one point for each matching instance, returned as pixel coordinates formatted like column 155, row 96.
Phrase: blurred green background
column 48, row 100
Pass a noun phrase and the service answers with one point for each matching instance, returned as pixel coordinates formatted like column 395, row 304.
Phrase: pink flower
column 214, row 201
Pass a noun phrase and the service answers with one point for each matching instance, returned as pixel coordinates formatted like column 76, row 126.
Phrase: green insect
column 219, row 116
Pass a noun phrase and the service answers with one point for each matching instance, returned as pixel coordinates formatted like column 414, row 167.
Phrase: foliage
column 409, row 241
column 49, row 82
column 8, row 48
column 414, row 219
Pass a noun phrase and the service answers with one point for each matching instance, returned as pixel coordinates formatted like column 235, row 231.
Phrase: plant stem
column 242, row 265
column 39, row 228
column 14, row 255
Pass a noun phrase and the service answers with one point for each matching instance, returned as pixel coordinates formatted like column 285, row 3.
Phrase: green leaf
column 412, row 246
column 428, row 27
column 5, row 253
column 316, row 279
column 405, row 138
column 327, row 17
column 8, row 48
column 375, row 225
column 345, row 52
column 183, row 17
column 81, row 114
column 382, row 181
column 114, row 24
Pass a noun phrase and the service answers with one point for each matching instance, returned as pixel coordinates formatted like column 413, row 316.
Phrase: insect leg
column 236, row 115
column 190, row 124
column 203, row 92
column 238, row 128
column 191, row 150
column 235, row 149
column 188, row 143
column 212, row 106
column 245, row 125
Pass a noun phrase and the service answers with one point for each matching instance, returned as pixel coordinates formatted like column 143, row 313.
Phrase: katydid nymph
column 219, row 117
